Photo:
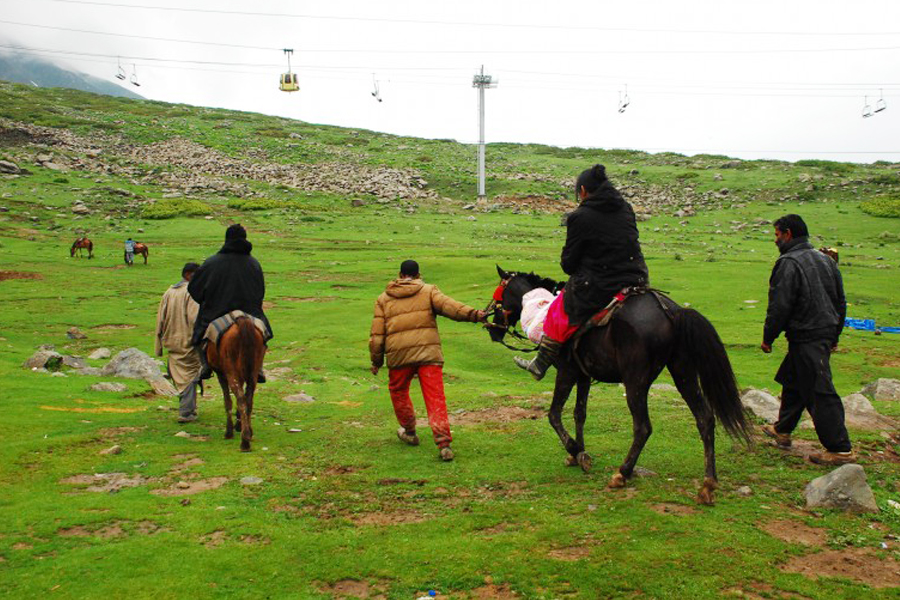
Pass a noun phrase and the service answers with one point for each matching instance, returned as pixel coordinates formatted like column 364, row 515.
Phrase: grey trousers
column 187, row 405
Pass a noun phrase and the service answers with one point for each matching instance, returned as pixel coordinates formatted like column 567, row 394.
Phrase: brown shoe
column 782, row 440
column 410, row 438
column 446, row 454
column 832, row 458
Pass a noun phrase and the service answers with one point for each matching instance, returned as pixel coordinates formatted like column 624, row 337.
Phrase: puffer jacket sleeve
column 783, row 287
column 446, row 306
column 573, row 250
column 377, row 336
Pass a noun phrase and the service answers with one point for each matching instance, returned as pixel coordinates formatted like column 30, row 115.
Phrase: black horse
column 649, row 332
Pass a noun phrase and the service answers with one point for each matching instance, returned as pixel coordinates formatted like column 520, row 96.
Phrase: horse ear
column 503, row 274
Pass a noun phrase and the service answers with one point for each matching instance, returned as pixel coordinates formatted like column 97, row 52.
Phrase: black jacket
column 806, row 296
column 229, row 280
column 602, row 253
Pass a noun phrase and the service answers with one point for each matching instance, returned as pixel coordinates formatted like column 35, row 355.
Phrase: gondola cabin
column 289, row 82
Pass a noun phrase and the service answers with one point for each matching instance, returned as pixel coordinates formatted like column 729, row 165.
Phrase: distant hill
column 29, row 70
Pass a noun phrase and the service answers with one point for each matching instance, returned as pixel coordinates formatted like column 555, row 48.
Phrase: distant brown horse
column 80, row 244
column 237, row 360
column 139, row 248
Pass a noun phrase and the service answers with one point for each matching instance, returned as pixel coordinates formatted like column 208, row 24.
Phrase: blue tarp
column 868, row 325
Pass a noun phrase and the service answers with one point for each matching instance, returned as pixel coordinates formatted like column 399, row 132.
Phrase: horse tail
column 699, row 345
column 246, row 360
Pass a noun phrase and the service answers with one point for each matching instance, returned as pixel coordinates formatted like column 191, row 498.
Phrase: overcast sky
column 767, row 79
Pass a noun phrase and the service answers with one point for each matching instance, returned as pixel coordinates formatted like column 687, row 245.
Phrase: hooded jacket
column 806, row 296
column 602, row 253
column 404, row 329
column 229, row 280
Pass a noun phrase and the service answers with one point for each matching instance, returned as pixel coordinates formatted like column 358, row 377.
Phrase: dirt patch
column 668, row 508
column 111, row 432
column 795, row 532
column 4, row 275
column 106, row 482
column 77, row 531
column 94, row 411
column 858, row 564
column 255, row 540
column 570, row 553
column 113, row 326
column 110, row 530
column 496, row 414
column 388, row 518
column 193, row 461
column 342, row 470
column 498, row 528
column 22, row 546
column 184, row 488
column 397, row 481
column 214, row 539
column 492, row 592
column 351, row 588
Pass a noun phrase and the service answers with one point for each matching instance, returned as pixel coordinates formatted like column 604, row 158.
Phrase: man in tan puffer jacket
column 404, row 331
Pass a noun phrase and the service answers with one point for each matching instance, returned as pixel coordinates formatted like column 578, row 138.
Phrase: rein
column 494, row 309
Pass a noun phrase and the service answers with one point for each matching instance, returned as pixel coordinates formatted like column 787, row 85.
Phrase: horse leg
column 583, row 459
column 636, row 394
column 246, row 427
column 229, row 425
column 687, row 385
column 565, row 381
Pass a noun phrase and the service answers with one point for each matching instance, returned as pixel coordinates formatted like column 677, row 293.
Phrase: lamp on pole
column 481, row 81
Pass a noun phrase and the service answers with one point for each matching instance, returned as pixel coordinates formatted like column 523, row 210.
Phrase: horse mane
column 537, row 281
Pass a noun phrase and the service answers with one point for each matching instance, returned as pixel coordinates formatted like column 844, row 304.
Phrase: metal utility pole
column 481, row 81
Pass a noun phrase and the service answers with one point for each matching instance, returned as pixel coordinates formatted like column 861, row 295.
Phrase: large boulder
column 845, row 488
column 100, row 353
column 883, row 389
column 763, row 404
column 45, row 359
column 132, row 364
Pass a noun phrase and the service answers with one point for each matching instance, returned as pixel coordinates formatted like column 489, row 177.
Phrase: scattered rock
column 844, row 488
column 75, row 334
column 100, row 354
column 642, row 472
column 80, row 209
column 883, row 389
column 74, row 362
column 251, row 481
column 183, row 434
column 357, row 202
column 107, row 386
column 301, row 397
column 117, row 449
column 744, row 491
column 45, row 359
column 762, row 404
column 162, row 386
column 10, row 168
column 132, row 364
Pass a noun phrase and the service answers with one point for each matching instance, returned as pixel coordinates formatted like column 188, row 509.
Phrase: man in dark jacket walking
column 229, row 280
column 602, row 255
column 806, row 302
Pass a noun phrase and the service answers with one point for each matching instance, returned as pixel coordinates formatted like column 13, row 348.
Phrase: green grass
column 331, row 507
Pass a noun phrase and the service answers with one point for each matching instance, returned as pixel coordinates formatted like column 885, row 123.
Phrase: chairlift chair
column 880, row 105
column 288, row 81
column 376, row 93
column 134, row 80
column 867, row 109
column 121, row 72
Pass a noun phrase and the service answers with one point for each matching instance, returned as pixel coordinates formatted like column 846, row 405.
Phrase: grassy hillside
column 344, row 510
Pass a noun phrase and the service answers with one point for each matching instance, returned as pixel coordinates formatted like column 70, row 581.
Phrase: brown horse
column 80, row 244
column 237, row 360
column 140, row 248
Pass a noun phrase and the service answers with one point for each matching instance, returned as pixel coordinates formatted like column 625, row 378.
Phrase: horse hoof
column 571, row 461
column 706, row 496
column 228, row 436
column 616, row 481
column 585, row 461
column 245, row 447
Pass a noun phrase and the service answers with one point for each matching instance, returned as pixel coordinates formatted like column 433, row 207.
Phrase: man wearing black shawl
column 602, row 255
column 229, row 280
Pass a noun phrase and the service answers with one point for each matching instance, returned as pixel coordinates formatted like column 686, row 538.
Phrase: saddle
column 220, row 325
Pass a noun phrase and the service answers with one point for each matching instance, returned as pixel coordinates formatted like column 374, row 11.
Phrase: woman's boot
column 548, row 350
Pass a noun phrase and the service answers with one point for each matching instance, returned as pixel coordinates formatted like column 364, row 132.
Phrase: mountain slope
column 20, row 68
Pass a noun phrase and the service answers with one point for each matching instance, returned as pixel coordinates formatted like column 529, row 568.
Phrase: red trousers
column 431, row 378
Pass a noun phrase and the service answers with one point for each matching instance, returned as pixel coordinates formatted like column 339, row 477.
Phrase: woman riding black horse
column 602, row 255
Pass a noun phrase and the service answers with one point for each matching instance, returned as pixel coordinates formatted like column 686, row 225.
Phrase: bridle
column 495, row 309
